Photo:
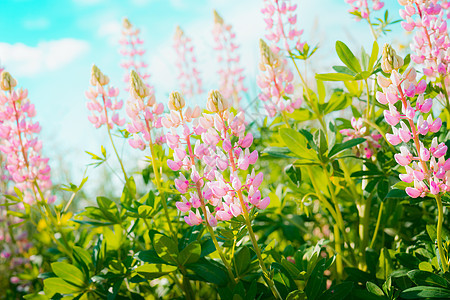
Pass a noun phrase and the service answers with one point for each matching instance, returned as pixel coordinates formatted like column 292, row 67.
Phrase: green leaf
column 337, row 292
column 427, row 278
column 57, row 285
column 321, row 91
column 337, row 148
column 296, row 142
column 422, row 292
column 344, row 70
column 316, row 282
column 190, row 254
column 166, row 248
column 278, row 152
column 149, row 256
column 374, row 289
column 69, row 273
column 373, row 55
column 242, row 259
column 209, row 271
column 334, row 77
column 152, row 271
column 347, row 57
column 382, row 189
column 145, row 211
column 294, row 173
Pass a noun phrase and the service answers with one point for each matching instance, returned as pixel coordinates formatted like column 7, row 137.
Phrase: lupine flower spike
column 281, row 20
column 276, row 83
column 362, row 9
column 231, row 77
column 188, row 74
column 133, row 52
column 20, row 144
column 144, row 112
column 426, row 167
column 368, row 148
column 104, row 104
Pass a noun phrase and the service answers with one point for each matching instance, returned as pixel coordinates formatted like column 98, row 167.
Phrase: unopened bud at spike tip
column 98, row 77
column 390, row 60
column 7, row 82
column 138, row 89
column 176, row 101
column 216, row 102
column 178, row 32
column 266, row 53
column 126, row 23
column 217, row 18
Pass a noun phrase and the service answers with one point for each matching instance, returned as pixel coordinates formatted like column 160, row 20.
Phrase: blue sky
column 49, row 47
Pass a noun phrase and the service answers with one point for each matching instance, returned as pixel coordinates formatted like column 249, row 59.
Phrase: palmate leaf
column 347, row 57
column 69, row 273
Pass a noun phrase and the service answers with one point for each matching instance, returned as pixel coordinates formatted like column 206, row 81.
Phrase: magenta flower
column 220, row 198
column 188, row 74
column 20, row 144
column 231, row 77
column 427, row 167
column 276, row 83
column 133, row 52
column 368, row 148
column 361, row 8
column 104, row 104
column 144, row 112
column 281, row 21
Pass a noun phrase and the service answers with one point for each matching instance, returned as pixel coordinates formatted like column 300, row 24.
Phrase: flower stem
column 160, row 189
column 377, row 226
column 439, row 233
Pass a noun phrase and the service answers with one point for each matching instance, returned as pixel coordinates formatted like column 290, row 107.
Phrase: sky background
column 50, row 46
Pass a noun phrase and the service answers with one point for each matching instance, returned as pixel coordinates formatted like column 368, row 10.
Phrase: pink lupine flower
column 431, row 41
column 104, row 104
column 427, row 167
column 188, row 74
column 133, row 52
column 231, row 73
column 275, row 80
column 20, row 145
column 362, row 9
column 144, row 112
column 280, row 18
column 219, row 198
column 359, row 131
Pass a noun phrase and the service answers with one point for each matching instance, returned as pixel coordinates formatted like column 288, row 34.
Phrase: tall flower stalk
column 133, row 52
column 104, row 107
column 231, row 73
column 426, row 167
column 145, row 115
column 189, row 79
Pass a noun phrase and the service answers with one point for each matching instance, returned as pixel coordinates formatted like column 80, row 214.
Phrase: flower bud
column 98, row 77
column 7, row 82
column 216, row 102
column 176, row 101
column 126, row 24
column 267, row 55
column 217, row 18
column 178, row 33
column 138, row 89
column 390, row 60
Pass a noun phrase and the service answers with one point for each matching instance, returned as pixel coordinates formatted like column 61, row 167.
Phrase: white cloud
column 111, row 31
column 24, row 60
column 36, row 24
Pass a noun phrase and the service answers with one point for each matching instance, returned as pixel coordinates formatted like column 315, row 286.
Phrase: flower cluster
column 223, row 146
column 24, row 162
column 431, row 41
column 361, row 7
column 281, row 21
column 144, row 113
column 188, row 75
column 426, row 167
column 369, row 147
column 105, row 110
column 275, row 81
column 132, row 51
column 231, row 77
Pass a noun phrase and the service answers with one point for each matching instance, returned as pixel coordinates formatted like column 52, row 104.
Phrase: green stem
column 337, row 247
column 221, row 254
column 159, row 187
column 439, row 233
column 377, row 226
column 364, row 228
